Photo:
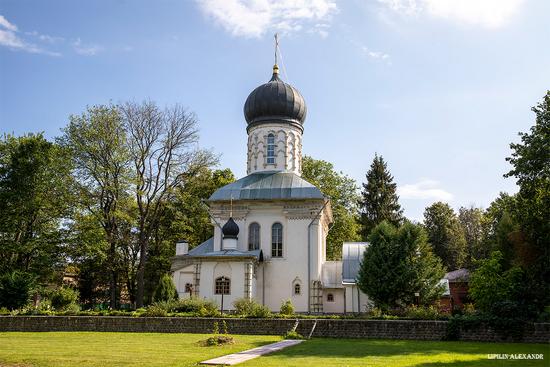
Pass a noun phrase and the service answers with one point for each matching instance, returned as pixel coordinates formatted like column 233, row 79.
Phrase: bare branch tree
column 164, row 151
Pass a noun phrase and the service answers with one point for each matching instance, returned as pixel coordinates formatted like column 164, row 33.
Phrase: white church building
column 270, row 227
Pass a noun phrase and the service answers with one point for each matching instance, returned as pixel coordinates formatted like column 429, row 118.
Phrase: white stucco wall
column 234, row 270
column 288, row 151
column 337, row 306
column 181, row 277
column 356, row 301
column 281, row 273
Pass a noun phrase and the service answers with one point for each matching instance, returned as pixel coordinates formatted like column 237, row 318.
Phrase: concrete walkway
column 246, row 355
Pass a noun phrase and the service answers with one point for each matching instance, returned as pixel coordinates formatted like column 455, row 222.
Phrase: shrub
column 43, row 308
column 469, row 309
column 423, row 312
column 287, row 308
column 292, row 334
column 192, row 306
column 155, row 310
column 165, row 290
column 15, row 289
column 71, row 309
column 244, row 306
column 260, row 312
column 375, row 313
column 250, row 308
column 195, row 305
column 218, row 339
column 64, row 298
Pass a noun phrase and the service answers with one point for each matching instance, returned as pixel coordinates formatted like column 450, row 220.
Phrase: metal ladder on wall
column 316, row 297
column 197, row 279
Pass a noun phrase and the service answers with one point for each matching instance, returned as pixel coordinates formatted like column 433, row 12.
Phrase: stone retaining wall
column 380, row 329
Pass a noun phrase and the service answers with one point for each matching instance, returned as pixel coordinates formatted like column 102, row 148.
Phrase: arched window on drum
column 271, row 149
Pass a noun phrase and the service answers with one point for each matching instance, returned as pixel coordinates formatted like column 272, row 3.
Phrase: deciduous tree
column 98, row 143
column 35, row 199
column 342, row 190
column 446, row 235
column 164, row 154
column 475, row 227
column 530, row 162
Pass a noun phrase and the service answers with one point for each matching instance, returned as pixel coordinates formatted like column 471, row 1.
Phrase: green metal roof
column 268, row 185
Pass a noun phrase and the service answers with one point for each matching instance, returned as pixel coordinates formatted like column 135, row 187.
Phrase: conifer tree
column 379, row 199
column 398, row 263
column 166, row 290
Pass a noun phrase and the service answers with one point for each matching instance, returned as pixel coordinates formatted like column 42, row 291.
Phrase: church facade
column 270, row 227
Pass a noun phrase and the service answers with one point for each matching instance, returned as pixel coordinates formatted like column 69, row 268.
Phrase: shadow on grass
column 362, row 348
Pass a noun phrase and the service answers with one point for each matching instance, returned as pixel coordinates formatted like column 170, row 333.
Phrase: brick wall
column 381, row 329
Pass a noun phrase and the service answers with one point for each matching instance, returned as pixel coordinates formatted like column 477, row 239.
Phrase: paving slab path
column 246, row 355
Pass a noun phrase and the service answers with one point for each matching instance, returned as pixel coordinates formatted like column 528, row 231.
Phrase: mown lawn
column 140, row 349
column 399, row 353
column 85, row 349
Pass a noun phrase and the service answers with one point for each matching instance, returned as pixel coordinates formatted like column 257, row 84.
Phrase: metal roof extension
column 268, row 185
column 331, row 275
column 352, row 255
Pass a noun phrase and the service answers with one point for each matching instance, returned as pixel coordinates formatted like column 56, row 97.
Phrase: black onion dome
column 275, row 101
column 230, row 229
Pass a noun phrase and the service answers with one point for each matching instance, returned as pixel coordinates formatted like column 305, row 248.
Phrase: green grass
column 398, row 353
column 83, row 349
column 141, row 349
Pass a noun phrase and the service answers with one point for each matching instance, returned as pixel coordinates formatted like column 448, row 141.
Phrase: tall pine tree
column 379, row 199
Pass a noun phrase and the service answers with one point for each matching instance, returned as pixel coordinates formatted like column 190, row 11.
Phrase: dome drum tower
column 275, row 113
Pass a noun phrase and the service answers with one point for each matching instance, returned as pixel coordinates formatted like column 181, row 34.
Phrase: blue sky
column 439, row 88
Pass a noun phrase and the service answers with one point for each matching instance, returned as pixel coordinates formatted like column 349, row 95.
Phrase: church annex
column 271, row 226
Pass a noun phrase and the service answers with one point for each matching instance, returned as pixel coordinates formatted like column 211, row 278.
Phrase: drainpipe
column 263, row 284
column 309, row 255
column 358, row 300
column 203, row 202
column 345, row 304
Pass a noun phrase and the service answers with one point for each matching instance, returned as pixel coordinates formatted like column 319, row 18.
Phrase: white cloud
column 424, row 189
column 253, row 18
column 86, row 50
column 7, row 25
column 375, row 55
column 45, row 37
column 9, row 38
column 491, row 14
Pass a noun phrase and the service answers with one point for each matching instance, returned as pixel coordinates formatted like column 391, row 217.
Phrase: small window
column 297, row 289
column 277, row 240
column 223, row 285
column 330, row 297
column 254, row 237
column 271, row 149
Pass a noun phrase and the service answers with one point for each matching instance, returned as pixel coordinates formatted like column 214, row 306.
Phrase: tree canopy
column 35, row 198
column 397, row 264
column 446, row 235
column 530, row 162
column 342, row 191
